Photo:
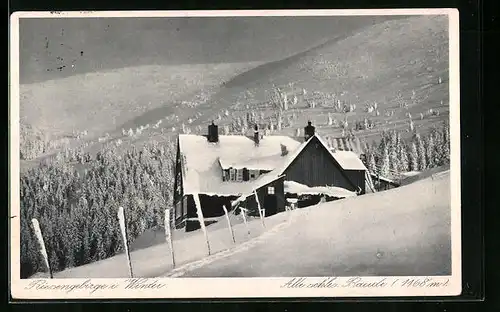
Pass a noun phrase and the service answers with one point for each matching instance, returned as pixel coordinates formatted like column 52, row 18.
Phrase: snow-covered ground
column 412, row 176
column 403, row 231
column 188, row 247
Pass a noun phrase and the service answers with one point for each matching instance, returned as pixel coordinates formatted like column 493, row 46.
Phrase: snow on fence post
column 259, row 208
column 168, row 235
column 121, row 219
column 229, row 223
column 199, row 212
column 243, row 214
column 43, row 251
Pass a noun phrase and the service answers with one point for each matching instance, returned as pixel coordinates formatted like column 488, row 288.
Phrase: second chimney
column 309, row 131
column 256, row 136
column 213, row 133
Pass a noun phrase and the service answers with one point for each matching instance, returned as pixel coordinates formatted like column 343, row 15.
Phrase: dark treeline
column 393, row 154
column 76, row 203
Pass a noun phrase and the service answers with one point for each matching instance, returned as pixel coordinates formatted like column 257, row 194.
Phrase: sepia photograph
column 225, row 148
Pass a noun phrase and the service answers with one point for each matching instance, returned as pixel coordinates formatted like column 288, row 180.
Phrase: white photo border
column 233, row 287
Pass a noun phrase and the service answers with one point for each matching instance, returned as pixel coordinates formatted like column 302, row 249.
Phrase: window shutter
column 224, row 175
column 239, row 175
column 231, row 174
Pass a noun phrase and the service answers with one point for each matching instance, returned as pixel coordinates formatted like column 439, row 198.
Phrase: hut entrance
column 270, row 204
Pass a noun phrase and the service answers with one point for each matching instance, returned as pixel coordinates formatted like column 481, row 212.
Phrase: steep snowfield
column 403, row 231
column 390, row 63
column 111, row 43
column 119, row 69
column 114, row 99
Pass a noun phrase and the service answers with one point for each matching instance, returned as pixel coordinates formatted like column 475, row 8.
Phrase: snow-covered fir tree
column 413, row 157
column 393, row 151
column 403, row 157
column 422, row 159
column 371, row 163
column 384, row 162
column 445, row 154
column 429, row 151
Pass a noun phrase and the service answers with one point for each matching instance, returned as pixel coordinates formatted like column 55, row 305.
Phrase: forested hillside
column 76, row 198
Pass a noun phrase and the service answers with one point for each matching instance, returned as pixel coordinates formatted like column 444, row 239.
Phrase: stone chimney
column 256, row 136
column 309, row 131
column 213, row 133
column 284, row 150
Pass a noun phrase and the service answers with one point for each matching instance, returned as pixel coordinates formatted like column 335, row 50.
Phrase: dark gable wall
column 179, row 213
column 314, row 166
column 358, row 178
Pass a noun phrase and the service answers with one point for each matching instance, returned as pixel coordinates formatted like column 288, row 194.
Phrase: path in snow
column 292, row 215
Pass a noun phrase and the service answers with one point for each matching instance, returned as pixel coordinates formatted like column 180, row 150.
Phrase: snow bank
column 402, row 231
column 293, row 187
column 414, row 176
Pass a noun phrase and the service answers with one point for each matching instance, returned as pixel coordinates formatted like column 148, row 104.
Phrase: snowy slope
column 380, row 63
column 390, row 63
column 396, row 232
column 188, row 247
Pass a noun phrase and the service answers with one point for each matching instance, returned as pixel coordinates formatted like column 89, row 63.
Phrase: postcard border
column 185, row 288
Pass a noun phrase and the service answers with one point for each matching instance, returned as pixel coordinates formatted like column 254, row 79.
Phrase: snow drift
column 403, row 231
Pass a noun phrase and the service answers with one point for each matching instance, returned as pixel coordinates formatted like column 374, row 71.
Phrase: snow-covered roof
column 203, row 160
column 382, row 178
column 293, row 187
column 345, row 144
column 261, row 163
column 348, row 160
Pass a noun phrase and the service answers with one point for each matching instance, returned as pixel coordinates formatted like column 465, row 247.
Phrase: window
column 232, row 174
column 225, row 175
column 253, row 174
column 239, row 175
column 270, row 190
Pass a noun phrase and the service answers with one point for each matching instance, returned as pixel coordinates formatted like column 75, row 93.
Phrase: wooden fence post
column 229, row 223
column 201, row 219
column 259, row 208
column 168, row 235
column 243, row 214
column 43, row 251
column 121, row 219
